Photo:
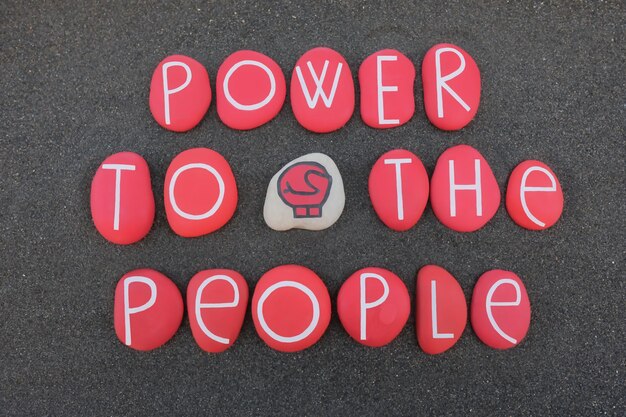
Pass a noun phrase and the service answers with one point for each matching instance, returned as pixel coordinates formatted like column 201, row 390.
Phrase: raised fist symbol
column 304, row 187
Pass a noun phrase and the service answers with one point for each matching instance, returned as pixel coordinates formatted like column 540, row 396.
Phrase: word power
column 251, row 90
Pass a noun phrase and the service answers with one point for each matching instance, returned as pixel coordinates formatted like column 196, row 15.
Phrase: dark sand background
column 75, row 82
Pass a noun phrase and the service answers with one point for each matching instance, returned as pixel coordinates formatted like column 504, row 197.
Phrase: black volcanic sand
column 75, row 83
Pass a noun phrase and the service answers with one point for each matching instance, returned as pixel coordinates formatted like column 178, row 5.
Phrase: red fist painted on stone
column 305, row 187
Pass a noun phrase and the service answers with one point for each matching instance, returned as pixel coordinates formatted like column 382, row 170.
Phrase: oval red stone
column 373, row 306
column 441, row 310
column 500, row 309
column 180, row 93
column 250, row 90
column 534, row 198
column 386, row 79
column 464, row 193
column 122, row 203
column 398, row 188
column 216, row 303
column 148, row 309
column 290, row 308
column 200, row 192
column 322, row 90
column 451, row 81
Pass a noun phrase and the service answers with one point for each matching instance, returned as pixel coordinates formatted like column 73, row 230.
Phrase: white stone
column 312, row 195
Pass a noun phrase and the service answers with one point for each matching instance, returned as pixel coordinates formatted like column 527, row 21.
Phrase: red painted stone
column 322, row 90
column 500, row 309
column 122, row 203
column 464, row 210
column 148, row 309
column 441, row 310
column 216, row 303
column 200, row 192
column 373, row 306
column 250, row 90
column 451, row 81
column 398, row 188
column 534, row 198
column 182, row 100
column 386, row 79
column 290, row 308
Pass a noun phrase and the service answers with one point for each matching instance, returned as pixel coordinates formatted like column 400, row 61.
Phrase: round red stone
column 451, row 82
column 500, row 309
column 216, row 303
column 200, row 192
column 441, row 310
column 180, row 93
column 122, row 203
column 250, row 90
column 373, row 306
column 290, row 308
column 534, row 198
column 398, row 188
column 464, row 193
column 387, row 99
column 322, row 90
column 148, row 309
